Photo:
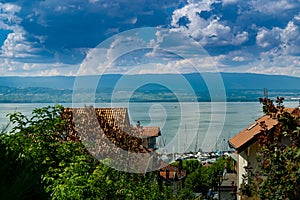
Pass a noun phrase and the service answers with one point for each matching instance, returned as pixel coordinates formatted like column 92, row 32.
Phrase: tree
column 25, row 150
column 279, row 162
column 199, row 178
column 38, row 163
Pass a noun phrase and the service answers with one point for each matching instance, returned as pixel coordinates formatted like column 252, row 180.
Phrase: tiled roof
column 118, row 116
column 296, row 112
column 84, row 122
column 251, row 131
column 110, row 121
column 247, row 136
column 174, row 172
column 148, row 131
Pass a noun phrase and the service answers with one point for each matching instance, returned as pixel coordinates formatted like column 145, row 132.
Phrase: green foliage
column 199, row 178
column 185, row 194
column 37, row 164
column 279, row 160
column 189, row 165
column 23, row 152
column 17, row 181
column 229, row 166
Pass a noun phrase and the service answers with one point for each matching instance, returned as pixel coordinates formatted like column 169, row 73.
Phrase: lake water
column 184, row 126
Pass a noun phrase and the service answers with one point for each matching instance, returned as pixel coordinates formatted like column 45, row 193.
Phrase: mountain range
column 149, row 87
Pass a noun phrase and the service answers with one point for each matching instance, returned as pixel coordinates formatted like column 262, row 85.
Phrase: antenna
column 196, row 144
column 266, row 93
column 185, row 146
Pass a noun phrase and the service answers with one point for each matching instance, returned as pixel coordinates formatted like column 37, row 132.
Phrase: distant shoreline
column 146, row 101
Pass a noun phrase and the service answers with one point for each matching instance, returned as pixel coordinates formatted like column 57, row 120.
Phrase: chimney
column 167, row 174
column 180, row 165
column 138, row 124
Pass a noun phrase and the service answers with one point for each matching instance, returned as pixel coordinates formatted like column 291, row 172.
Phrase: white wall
column 247, row 158
column 242, row 162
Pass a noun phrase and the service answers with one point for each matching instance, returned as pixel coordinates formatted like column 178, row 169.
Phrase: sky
column 54, row 37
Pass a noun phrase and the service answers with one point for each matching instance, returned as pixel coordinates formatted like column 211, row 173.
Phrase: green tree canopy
column 37, row 163
column 279, row 155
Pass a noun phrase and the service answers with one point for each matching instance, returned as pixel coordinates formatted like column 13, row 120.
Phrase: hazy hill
column 231, row 81
column 148, row 87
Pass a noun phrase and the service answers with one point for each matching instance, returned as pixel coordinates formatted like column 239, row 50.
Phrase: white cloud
column 297, row 17
column 206, row 31
column 9, row 8
column 276, row 70
column 273, row 7
column 8, row 18
column 227, row 2
column 240, row 38
column 276, row 45
column 238, row 59
column 9, row 67
column 274, row 62
column 183, row 66
column 16, row 46
column 291, row 32
column 93, row 1
column 50, row 72
column 216, row 30
column 280, row 40
column 239, row 35
column 171, row 52
column 268, row 38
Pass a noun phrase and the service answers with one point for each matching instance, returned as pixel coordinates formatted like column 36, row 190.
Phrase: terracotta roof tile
column 122, row 133
column 251, row 131
column 148, row 131
column 172, row 170
column 118, row 116
column 109, row 121
column 245, row 136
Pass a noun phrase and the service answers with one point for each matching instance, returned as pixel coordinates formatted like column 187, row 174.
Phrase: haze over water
column 182, row 126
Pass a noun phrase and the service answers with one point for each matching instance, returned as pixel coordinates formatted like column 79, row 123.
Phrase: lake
column 184, row 126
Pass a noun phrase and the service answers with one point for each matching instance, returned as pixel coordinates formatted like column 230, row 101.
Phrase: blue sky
column 53, row 37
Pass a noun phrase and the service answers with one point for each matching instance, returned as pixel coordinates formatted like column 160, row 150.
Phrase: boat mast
column 196, row 143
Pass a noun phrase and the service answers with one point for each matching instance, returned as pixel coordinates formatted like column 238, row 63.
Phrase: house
column 148, row 135
column 172, row 175
column 103, row 126
column 107, row 133
column 115, row 124
column 246, row 145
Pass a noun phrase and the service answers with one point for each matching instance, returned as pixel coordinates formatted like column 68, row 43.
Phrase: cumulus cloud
column 280, row 40
column 268, row 38
column 205, row 26
column 10, row 67
column 228, row 2
column 274, row 7
column 263, row 34
column 16, row 46
column 8, row 18
column 238, row 59
column 238, row 35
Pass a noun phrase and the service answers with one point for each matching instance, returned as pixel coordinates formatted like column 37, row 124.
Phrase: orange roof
column 114, row 124
column 119, row 116
column 148, row 131
column 247, row 136
column 173, row 171
column 249, row 133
